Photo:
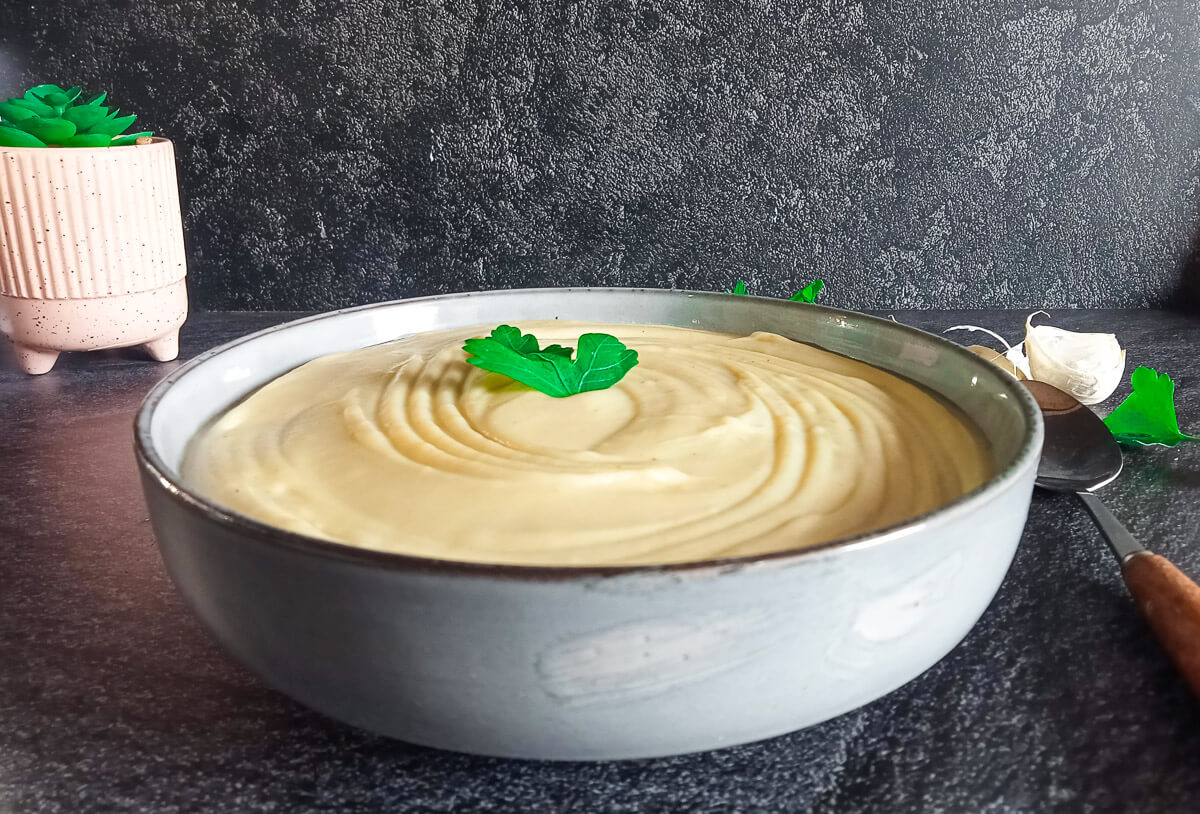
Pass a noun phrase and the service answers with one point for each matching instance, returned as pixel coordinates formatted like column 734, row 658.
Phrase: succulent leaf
column 84, row 116
column 89, row 140
column 112, row 127
column 37, row 91
column 57, row 100
column 98, row 99
column 34, row 106
column 130, row 138
column 15, row 113
column 49, row 130
column 12, row 137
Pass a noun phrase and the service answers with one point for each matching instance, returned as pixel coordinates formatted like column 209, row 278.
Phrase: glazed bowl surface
column 589, row 663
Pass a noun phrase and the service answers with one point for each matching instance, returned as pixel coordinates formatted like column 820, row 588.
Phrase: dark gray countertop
column 113, row 698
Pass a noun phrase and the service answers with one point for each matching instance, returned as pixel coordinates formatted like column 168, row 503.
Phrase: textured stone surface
column 915, row 153
column 112, row 697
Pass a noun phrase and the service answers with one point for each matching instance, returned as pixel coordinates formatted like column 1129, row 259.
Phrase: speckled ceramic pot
column 91, row 251
column 587, row 663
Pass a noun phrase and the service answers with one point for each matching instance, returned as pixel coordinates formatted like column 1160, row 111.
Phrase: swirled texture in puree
column 713, row 446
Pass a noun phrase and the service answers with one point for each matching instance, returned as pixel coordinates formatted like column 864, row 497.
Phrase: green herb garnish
column 807, row 294
column 600, row 362
column 1147, row 415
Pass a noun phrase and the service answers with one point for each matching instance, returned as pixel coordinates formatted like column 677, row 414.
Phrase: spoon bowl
column 1079, row 453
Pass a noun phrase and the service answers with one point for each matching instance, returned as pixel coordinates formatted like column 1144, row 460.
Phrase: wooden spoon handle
column 1170, row 601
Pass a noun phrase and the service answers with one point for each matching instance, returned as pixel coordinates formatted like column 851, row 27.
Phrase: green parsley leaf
column 601, row 362
column 1147, row 415
column 512, row 338
column 807, row 294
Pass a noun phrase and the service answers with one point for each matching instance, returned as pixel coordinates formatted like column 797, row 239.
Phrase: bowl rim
column 152, row 465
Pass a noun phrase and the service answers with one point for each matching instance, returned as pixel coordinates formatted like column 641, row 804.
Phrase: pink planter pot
column 91, row 251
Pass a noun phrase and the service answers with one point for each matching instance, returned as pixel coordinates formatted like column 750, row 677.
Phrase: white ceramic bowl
column 589, row 663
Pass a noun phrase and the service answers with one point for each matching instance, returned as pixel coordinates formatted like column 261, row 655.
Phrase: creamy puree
column 713, row 446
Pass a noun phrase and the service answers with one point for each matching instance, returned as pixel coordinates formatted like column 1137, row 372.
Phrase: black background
column 914, row 153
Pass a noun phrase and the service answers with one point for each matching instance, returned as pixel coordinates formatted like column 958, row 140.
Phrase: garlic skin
column 1089, row 366
column 1012, row 360
column 1000, row 360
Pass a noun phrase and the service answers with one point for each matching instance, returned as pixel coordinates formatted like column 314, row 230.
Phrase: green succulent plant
column 48, row 116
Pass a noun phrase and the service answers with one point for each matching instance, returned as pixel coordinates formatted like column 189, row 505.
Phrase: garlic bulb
column 1089, row 366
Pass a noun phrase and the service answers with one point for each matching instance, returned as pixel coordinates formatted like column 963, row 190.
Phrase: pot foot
column 165, row 348
column 35, row 360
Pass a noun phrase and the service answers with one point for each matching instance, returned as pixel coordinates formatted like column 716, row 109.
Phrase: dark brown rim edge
column 151, row 464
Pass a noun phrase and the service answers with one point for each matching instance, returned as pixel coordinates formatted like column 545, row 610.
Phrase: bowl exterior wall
column 625, row 666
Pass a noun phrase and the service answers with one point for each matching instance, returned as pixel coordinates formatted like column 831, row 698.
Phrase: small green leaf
column 84, row 116
column 512, row 338
column 602, row 361
column 89, row 140
column 51, row 131
column 130, row 138
column 57, row 100
column 1147, row 415
column 34, row 106
column 98, row 99
column 15, row 113
column 534, row 370
column 111, row 126
column 12, row 137
column 38, row 91
column 809, row 292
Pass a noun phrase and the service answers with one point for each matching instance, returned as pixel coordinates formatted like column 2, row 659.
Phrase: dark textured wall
column 912, row 152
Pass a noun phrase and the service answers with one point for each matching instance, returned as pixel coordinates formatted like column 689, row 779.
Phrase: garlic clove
column 999, row 359
column 1089, row 366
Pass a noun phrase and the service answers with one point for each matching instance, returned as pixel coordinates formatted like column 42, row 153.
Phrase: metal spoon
column 1079, row 455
